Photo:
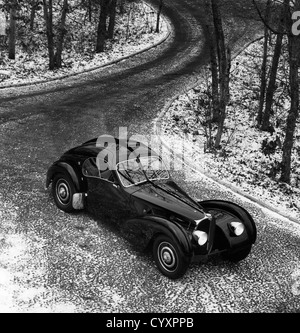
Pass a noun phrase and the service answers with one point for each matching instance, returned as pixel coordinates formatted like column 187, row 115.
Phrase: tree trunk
column 158, row 16
column 112, row 18
column 122, row 7
column 32, row 14
column 61, row 34
column 272, row 83
column 263, row 75
column 49, row 31
column 90, row 10
column 294, row 49
column 224, row 95
column 213, row 63
column 101, row 33
column 224, row 69
column 273, row 74
column 12, row 32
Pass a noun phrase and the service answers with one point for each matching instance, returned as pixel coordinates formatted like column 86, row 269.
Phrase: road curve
column 52, row 261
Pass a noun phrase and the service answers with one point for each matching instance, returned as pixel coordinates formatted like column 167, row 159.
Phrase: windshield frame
column 146, row 179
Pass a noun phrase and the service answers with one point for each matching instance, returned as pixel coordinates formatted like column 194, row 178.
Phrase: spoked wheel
column 238, row 254
column 169, row 257
column 63, row 190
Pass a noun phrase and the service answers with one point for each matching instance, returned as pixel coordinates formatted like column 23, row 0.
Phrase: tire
column 63, row 189
column 238, row 254
column 169, row 258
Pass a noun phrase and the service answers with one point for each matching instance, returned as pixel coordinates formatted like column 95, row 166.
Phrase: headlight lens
column 200, row 236
column 237, row 227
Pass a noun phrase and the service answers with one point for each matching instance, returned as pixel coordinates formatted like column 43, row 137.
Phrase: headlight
column 237, row 227
column 200, row 236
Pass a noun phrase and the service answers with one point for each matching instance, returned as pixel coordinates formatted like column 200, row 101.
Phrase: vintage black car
column 129, row 185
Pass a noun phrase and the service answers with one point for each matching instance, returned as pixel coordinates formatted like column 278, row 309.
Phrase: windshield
column 136, row 171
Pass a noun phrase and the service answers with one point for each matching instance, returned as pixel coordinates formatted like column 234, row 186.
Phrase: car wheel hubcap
column 62, row 192
column 167, row 256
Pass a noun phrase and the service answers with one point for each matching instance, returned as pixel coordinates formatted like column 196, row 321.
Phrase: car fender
column 63, row 167
column 142, row 231
column 240, row 213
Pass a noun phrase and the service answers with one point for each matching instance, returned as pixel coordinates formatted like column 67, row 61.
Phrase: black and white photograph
column 150, row 159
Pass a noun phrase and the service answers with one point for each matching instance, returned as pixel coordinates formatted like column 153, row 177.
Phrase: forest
column 277, row 18
column 51, row 38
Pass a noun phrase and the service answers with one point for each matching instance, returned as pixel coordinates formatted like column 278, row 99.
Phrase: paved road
column 52, row 261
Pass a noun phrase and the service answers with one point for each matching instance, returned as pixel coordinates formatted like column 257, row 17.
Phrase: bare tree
column 263, row 75
column 285, row 28
column 12, row 30
column 101, row 32
column 34, row 6
column 61, row 34
column 122, row 6
column 274, row 68
column 220, row 61
column 48, row 16
column 213, row 62
column 55, row 46
column 89, row 8
column 158, row 16
column 294, row 50
column 112, row 18
column 224, row 62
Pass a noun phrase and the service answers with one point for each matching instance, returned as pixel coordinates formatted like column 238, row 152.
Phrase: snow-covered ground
column 134, row 32
column 244, row 161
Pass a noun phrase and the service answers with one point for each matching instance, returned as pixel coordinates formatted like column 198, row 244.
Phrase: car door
column 106, row 199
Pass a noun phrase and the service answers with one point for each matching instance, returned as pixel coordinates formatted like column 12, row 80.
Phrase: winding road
column 56, row 262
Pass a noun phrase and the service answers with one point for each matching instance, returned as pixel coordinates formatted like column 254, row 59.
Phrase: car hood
column 175, row 201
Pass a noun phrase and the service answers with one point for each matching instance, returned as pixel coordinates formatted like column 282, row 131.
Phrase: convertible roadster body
column 127, row 184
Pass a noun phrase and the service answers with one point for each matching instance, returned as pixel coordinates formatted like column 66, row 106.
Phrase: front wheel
column 237, row 254
column 169, row 258
column 63, row 190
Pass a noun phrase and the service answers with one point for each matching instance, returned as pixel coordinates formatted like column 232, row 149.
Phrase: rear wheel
column 237, row 254
column 169, row 258
column 63, row 190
